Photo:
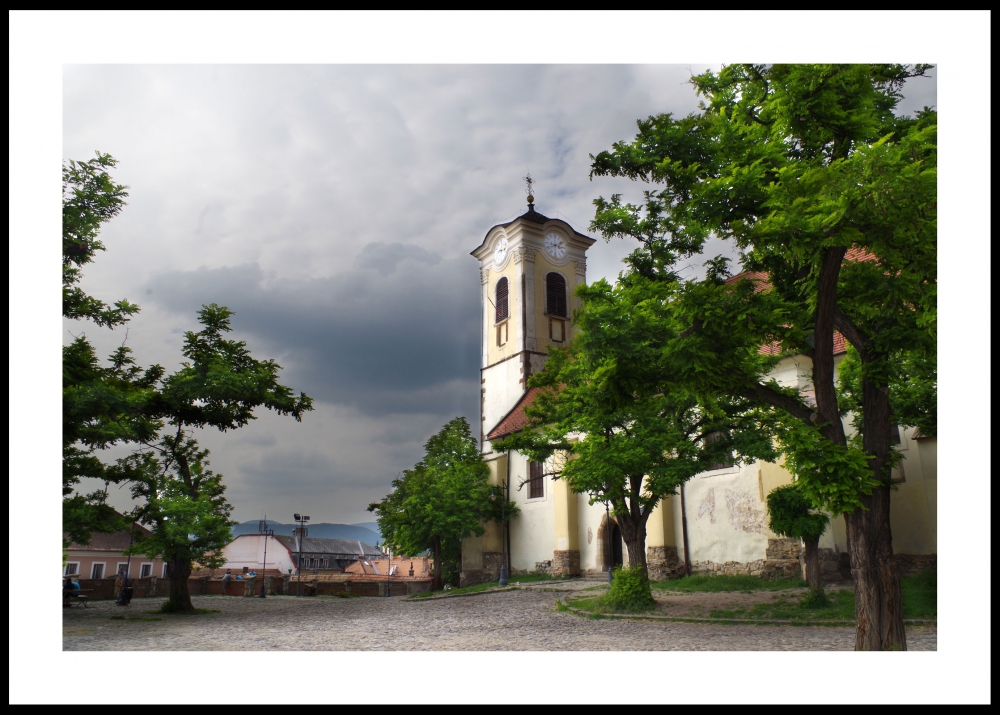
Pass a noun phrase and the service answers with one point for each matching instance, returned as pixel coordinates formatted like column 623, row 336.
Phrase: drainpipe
column 684, row 533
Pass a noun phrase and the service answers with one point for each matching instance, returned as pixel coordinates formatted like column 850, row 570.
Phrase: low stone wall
column 105, row 589
column 565, row 563
column 663, row 563
column 910, row 564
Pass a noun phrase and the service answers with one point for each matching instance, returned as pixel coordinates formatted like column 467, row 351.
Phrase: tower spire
column 529, row 190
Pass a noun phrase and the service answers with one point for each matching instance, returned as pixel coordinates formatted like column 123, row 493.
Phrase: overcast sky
column 333, row 208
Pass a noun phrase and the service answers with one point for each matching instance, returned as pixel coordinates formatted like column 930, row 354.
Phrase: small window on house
column 894, row 437
column 166, row 570
column 536, row 483
column 146, row 570
column 72, row 568
column 97, row 571
column 555, row 295
column 723, row 461
column 501, row 300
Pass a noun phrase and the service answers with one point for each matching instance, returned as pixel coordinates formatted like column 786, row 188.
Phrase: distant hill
column 373, row 525
column 358, row 532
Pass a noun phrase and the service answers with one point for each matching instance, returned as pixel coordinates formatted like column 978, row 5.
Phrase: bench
column 77, row 595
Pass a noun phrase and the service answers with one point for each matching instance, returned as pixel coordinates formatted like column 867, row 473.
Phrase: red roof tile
column 515, row 419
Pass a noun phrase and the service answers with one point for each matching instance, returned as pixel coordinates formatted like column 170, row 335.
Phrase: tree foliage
column 792, row 515
column 101, row 403
column 610, row 423
column 443, row 499
column 831, row 200
column 182, row 502
column 118, row 402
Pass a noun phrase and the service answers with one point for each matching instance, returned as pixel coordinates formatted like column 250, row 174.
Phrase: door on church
column 615, row 545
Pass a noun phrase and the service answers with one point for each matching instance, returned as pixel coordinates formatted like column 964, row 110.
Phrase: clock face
column 555, row 245
column 500, row 251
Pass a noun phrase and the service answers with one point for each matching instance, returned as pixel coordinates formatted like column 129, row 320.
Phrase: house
column 401, row 568
column 103, row 557
column 282, row 553
column 717, row 522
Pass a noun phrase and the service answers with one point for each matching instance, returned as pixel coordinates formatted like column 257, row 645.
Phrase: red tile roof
column 761, row 282
column 117, row 542
column 515, row 419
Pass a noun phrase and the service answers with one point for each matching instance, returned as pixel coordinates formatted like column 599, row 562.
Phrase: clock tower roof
column 537, row 218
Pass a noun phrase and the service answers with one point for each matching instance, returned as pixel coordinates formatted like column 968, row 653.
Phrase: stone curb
column 511, row 587
column 727, row 621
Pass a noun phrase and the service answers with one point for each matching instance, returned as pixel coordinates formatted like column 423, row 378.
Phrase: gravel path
column 516, row 620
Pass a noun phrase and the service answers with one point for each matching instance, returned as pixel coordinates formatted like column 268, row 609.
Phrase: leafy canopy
column 445, row 496
column 792, row 515
column 831, row 200
column 629, row 437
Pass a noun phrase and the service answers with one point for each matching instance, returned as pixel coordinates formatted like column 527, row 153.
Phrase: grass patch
column 719, row 584
column 920, row 595
column 832, row 606
column 134, row 618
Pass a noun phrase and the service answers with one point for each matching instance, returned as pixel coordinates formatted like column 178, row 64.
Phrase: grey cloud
column 397, row 340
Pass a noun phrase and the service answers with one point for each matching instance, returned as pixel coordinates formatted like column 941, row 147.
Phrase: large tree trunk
column 634, row 535
column 878, row 598
column 438, row 582
column 811, row 559
column 180, row 597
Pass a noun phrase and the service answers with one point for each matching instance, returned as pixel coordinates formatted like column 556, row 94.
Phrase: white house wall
column 248, row 550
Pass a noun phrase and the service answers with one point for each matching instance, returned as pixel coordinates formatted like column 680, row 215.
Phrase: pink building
column 103, row 557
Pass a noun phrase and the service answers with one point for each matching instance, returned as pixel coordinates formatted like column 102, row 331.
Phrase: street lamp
column 301, row 519
column 268, row 533
column 503, row 524
column 611, row 548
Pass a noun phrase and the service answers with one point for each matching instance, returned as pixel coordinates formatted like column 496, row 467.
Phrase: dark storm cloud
column 398, row 333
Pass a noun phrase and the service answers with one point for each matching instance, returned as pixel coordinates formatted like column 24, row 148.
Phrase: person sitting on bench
column 71, row 589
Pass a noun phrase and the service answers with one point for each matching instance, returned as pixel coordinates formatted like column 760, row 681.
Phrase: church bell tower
column 529, row 270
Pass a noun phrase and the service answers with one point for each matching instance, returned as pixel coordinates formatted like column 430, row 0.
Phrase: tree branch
column 772, row 397
column 850, row 331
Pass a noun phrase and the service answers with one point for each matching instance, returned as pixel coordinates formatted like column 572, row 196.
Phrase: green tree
column 792, row 516
column 623, row 437
column 99, row 402
column 443, row 499
column 831, row 199
column 182, row 502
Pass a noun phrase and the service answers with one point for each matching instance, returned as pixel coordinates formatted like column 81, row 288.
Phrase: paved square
column 514, row 620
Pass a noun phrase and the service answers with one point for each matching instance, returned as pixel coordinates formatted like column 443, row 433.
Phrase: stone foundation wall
column 783, row 549
column 565, row 563
column 663, row 563
column 543, row 567
column 910, row 564
column 492, row 561
column 471, row 577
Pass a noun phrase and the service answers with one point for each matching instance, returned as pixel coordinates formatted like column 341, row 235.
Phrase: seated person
column 70, row 588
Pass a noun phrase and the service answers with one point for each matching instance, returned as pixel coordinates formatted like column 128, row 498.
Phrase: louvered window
column 536, row 490
column 501, row 300
column 555, row 294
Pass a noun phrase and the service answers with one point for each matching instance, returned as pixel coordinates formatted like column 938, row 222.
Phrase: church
column 717, row 523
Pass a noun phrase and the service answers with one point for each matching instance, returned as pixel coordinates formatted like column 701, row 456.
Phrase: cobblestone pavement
column 513, row 620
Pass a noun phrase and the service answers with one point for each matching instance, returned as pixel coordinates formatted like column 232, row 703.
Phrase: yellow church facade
column 717, row 523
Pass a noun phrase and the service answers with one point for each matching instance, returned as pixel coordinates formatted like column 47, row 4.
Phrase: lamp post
column 301, row 519
column 611, row 548
column 503, row 524
column 268, row 533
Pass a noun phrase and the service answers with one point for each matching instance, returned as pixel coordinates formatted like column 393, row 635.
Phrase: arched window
column 501, row 300
column 555, row 294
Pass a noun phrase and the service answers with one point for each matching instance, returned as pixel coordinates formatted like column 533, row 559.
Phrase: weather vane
column 529, row 188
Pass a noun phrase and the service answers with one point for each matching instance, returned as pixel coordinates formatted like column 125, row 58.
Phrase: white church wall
column 532, row 532
column 501, row 382
column 589, row 518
